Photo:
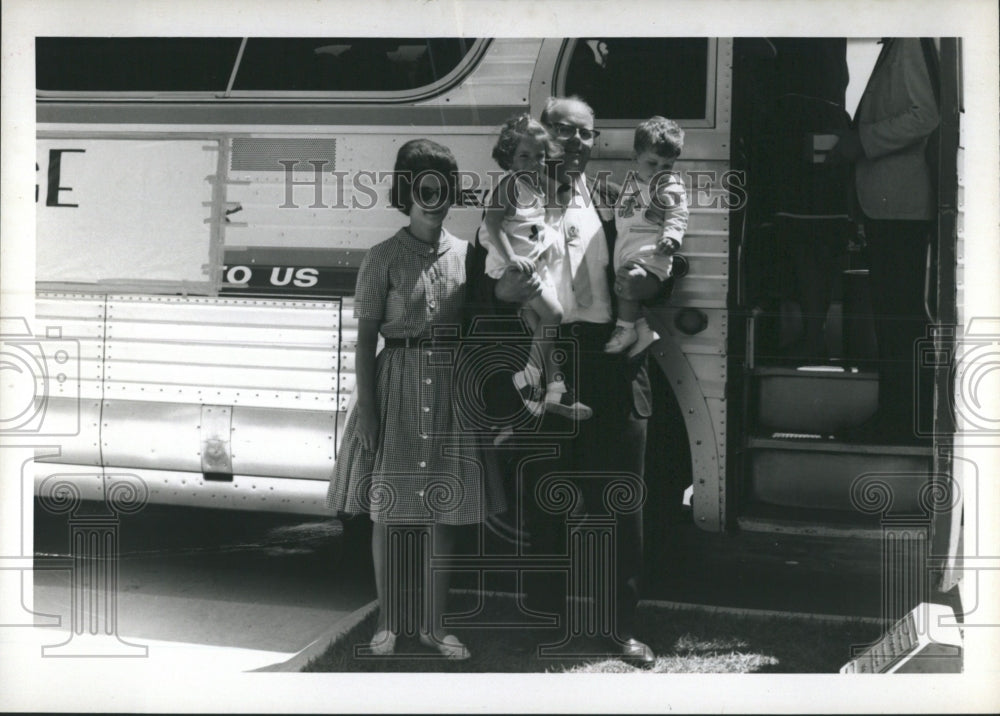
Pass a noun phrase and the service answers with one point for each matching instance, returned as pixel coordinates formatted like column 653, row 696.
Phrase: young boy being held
column 652, row 217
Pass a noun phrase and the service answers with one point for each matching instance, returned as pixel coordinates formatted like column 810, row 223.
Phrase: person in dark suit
column 603, row 460
column 894, row 183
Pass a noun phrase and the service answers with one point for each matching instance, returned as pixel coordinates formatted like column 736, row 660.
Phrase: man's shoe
column 634, row 651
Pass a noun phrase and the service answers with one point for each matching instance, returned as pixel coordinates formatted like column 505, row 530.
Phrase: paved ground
column 252, row 590
column 258, row 583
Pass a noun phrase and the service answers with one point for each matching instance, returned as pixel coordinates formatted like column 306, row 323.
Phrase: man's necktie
column 582, row 291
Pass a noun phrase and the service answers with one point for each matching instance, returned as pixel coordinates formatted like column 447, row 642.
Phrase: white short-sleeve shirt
column 580, row 246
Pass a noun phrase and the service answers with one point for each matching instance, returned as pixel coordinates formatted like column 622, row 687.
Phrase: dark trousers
column 814, row 245
column 602, row 467
column 897, row 256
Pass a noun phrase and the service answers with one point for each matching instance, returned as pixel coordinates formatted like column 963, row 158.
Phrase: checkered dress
column 425, row 469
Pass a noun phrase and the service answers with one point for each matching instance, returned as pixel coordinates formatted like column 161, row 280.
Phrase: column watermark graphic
column 909, row 506
column 94, row 532
column 591, row 563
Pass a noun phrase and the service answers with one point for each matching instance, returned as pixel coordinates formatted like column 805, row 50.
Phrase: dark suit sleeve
column 606, row 195
column 480, row 299
column 491, row 322
column 918, row 113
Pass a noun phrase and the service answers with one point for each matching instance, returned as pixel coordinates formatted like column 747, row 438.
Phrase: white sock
column 625, row 324
column 640, row 323
column 556, row 386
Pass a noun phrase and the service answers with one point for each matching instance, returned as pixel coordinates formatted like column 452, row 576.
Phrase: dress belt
column 414, row 342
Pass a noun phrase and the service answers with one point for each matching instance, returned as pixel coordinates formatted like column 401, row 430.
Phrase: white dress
column 525, row 229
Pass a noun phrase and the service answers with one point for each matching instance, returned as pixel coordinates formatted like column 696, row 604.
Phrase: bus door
column 804, row 356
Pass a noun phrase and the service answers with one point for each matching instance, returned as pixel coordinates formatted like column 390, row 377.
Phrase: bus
column 203, row 205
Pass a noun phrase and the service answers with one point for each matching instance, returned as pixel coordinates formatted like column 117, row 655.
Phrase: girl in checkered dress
column 405, row 458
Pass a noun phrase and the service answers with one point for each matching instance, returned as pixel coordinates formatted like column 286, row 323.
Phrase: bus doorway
column 804, row 360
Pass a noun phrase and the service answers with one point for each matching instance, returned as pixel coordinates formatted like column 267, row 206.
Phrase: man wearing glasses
column 608, row 449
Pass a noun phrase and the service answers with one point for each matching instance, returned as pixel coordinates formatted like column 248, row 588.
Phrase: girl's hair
column 664, row 136
column 513, row 131
column 418, row 158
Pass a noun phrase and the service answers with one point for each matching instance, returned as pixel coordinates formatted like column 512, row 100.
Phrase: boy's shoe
column 621, row 338
column 646, row 337
column 562, row 401
column 531, row 393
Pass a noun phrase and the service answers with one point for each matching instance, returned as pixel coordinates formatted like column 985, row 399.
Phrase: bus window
column 347, row 64
column 134, row 64
column 629, row 78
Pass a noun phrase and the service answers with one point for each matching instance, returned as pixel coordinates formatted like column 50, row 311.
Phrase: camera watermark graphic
column 971, row 360
column 15, row 568
column 40, row 377
column 479, row 364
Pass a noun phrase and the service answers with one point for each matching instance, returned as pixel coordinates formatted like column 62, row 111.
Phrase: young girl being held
column 516, row 238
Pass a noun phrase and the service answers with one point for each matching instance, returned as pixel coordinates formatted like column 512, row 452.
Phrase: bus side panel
column 186, row 387
column 694, row 323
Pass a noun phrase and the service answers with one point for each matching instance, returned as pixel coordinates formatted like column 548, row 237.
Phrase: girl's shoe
column 531, row 393
column 449, row 647
column 383, row 643
column 621, row 338
column 562, row 401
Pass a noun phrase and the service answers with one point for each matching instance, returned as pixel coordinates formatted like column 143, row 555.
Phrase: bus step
column 823, row 474
column 814, row 399
column 811, row 442
column 819, row 524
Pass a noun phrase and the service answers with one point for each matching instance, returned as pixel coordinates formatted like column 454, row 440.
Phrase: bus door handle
column 751, row 345
column 741, row 280
column 931, row 314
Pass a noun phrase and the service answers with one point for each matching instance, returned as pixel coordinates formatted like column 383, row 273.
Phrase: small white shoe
column 646, row 337
column 562, row 401
column 621, row 338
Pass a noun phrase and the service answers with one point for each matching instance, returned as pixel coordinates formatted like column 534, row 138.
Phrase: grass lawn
column 685, row 642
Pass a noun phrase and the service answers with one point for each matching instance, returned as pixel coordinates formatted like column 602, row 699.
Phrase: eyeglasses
column 568, row 131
